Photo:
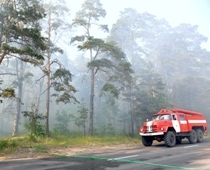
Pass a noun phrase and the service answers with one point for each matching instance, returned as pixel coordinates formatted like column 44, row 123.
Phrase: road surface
column 157, row 157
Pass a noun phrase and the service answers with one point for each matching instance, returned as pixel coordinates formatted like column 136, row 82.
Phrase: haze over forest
column 76, row 72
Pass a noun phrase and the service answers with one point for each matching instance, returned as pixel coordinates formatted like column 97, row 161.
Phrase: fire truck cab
column 172, row 126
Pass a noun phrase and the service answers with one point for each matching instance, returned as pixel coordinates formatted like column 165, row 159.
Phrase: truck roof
column 177, row 111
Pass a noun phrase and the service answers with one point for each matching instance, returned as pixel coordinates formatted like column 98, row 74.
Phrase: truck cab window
column 181, row 117
column 173, row 117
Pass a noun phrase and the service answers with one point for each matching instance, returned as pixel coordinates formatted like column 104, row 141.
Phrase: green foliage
column 90, row 9
column 61, row 79
column 105, row 129
column 104, row 56
column 102, row 63
column 20, row 30
column 104, row 28
column 81, row 119
column 62, row 141
column 27, row 50
column 149, row 94
column 112, row 89
column 136, row 34
column 78, row 38
column 7, row 144
column 134, row 31
column 3, row 144
column 34, row 125
column 41, row 149
column 62, row 119
column 97, row 140
column 7, row 93
column 120, row 68
column 91, row 43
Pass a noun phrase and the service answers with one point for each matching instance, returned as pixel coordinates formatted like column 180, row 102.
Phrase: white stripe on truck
column 183, row 122
column 197, row 121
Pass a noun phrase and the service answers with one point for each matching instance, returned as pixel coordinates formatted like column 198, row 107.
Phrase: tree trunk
column 2, row 57
column 20, row 74
column 84, row 128
column 47, row 97
column 92, row 83
column 48, row 79
column 132, row 110
column 39, row 95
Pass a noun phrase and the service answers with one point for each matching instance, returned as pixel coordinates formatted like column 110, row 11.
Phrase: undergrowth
column 10, row 145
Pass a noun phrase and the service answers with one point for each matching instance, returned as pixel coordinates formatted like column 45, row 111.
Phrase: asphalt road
column 157, row 157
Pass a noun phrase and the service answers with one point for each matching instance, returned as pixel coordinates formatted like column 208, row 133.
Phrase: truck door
column 183, row 123
column 175, row 123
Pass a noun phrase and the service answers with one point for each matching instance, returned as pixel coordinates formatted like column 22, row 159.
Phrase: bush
column 4, row 144
column 34, row 126
column 7, row 144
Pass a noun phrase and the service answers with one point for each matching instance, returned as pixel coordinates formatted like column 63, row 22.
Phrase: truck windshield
column 161, row 117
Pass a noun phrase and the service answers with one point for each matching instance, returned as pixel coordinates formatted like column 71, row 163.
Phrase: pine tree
column 20, row 32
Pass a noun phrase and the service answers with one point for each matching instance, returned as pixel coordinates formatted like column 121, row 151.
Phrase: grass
column 42, row 145
column 76, row 140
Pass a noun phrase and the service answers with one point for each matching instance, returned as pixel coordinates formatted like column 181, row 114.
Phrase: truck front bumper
column 152, row 134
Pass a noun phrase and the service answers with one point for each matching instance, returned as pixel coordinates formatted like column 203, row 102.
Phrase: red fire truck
column 171, row 126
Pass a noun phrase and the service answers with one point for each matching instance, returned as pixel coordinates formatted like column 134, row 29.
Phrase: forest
column 63, row 75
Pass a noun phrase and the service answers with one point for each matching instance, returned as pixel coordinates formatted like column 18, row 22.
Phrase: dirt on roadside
column 22, row 153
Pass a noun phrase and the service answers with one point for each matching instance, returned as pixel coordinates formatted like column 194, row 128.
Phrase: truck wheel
column 147, row 140
column 199, row 135
column 170, row 139
column 193, row 137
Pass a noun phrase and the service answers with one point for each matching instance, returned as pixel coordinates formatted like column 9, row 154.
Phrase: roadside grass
column 19, row 144
column 42, row 145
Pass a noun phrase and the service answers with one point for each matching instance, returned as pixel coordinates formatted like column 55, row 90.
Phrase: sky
column 194, row 12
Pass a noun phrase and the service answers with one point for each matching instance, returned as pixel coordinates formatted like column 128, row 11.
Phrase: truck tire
column 147, row 140
column 199, row 135
column 170, row 139
column 193, row 137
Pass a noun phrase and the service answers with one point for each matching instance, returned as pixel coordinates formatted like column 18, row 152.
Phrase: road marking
column 131, row 161
column 191, row 146
column 131, row 156
column 158, row 165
